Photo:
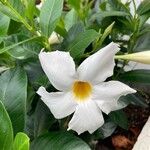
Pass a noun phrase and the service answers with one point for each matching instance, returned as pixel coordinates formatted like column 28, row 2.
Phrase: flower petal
column 107, row 94
column 87, row 117
column 100, row 65
column 60, row 104
column 59, row 67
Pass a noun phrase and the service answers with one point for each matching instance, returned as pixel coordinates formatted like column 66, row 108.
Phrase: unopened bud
column 141, row 57
column 54, row 38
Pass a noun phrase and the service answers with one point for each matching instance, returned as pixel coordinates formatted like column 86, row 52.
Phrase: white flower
column 82, row 90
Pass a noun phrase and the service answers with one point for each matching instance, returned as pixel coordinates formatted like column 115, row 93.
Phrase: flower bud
column 141, row 57
column 54, row 38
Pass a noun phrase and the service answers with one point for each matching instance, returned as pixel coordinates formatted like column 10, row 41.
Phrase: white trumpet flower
column 82, row 90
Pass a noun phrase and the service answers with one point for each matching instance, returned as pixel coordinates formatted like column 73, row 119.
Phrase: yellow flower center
column 81, row 90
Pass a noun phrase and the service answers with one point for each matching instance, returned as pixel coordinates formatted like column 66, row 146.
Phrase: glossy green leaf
column 13, row 94
column 70, row 19
column 136, row 76
column 120, row 118
column 59, row 141
column 27, row 49
column 42, row 124
column 81, row 42
column 135, row 99
column 72, row 34
column 21, row 142
column 6, row 131
column 17, row 44
column 8, row 12
column 49, row 16
column 101, row 15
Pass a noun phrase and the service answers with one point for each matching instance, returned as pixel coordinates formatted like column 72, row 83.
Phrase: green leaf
column 135, row 99
column 34, row 71
column 6, row 131
column 72, row 34
column 144, row 7
column 106, row 130
column 120, row 118
column 21, row 142
column 6, row 62
column 18, row 6
column 42, row 124
column 8, row 12
column 107, row 32
column 145, row 28
column 30, row 48
column 101, row 15
column 59, row 141
column 14, row 10
column 49, row 16
column 70, row 19
column 17, row 44
column 104, row 35
column 30, row 9
column 136, row 76
column 142, row 43
column 81, row 42
column 60, row 28
column 4, row 24
column 13, row 94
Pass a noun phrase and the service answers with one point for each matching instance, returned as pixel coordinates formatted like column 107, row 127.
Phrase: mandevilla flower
column 82, row 90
